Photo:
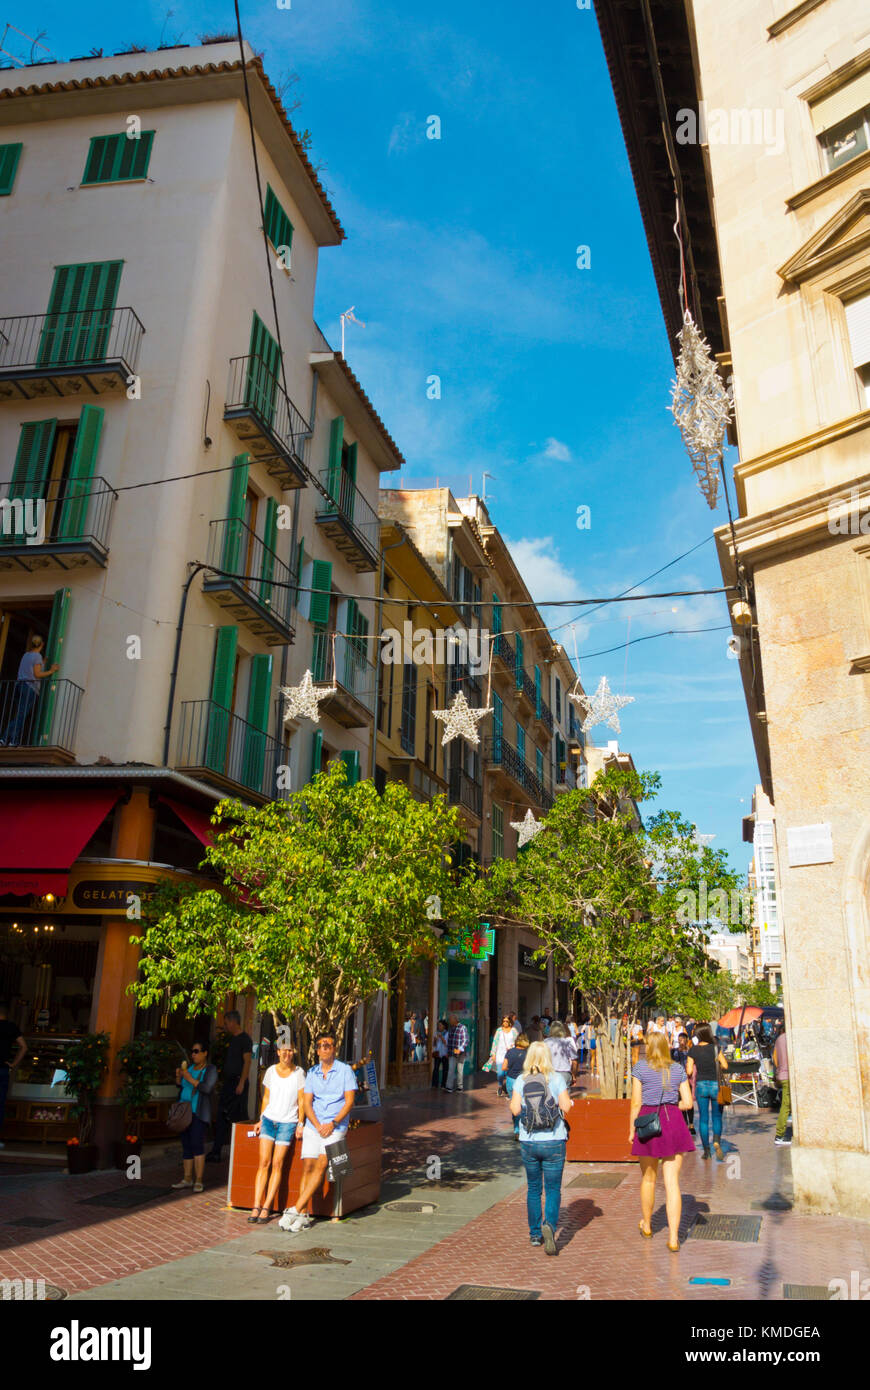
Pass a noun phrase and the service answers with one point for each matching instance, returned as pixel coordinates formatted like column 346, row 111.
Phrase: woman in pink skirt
column 660, row 1083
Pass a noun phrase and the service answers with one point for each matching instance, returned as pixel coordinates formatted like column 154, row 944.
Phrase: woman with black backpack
column 541, row 1100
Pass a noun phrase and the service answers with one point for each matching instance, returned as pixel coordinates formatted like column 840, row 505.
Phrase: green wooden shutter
column 350, row 758
column 264, row 365
column 254, row 752
column 278, row 227
column 43, row 736
column 497, row 724
column 316, row 753
column 81, row 470
column 348, row 491
column 234, row 527
column 223, row 676
column 321, row 579
column 80, row 312
column 538, row 691
column 270, row 536
column 519, row 661
column 118, row 158
column 33, row 460
column 336, row 439
column 521, row 742
column 9, row 157
column 539, row 765
column 496, row 615
column 300, row 560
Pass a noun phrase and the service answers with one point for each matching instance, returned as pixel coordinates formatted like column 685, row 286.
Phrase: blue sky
column 461, row 260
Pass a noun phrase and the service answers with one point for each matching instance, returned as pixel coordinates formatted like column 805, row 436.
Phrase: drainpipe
column 379, row 618
column 174, row 677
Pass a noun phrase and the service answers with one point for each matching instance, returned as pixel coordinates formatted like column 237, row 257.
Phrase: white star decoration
column 527, row 828
column 301, row 700
column 602, row 707
column 460, row 720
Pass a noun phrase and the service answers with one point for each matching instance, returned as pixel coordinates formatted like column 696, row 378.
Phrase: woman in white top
column 278, row 1123
column 503, row 1040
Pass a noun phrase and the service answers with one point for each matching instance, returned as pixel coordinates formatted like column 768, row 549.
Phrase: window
column 55, row 462
column 539, row 765
column 858, row 325
column 497, row 831
column 277, row 225
column 408, row 730
column 385, row 707
column 81, row 311
column 9, row 157
column 558, row 698
column 118, row 158
column 521, row 742
column 841, row 119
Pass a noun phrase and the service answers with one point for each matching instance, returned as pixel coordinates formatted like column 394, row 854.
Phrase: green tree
column 603, row 892
column 757, row 992
column 322, row 897
column 704, row 997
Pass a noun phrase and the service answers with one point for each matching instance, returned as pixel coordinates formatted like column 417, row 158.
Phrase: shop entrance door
column 458, row 989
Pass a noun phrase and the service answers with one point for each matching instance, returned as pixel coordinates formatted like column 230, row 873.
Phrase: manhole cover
column 598, row 1180
column 410, row 1206
column 736, row 1228
column 319, row 1255
column 816, row 1293
column 483, row 1293
column 31, row 1291
column 35, row 1221
column 775, row 1202
column 133, row 1195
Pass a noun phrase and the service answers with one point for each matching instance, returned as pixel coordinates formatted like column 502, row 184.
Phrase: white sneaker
column 286, row 1221
column 301, row 1223
column 185, row 1182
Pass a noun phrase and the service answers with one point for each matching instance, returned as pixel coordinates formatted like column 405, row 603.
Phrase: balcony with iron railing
column 353, row 704
column 464, row 791
column 73, row 353
column 266, row 421
column 65, row 528
column 350, row 522
column 262, row 601
column 216, row 745
column 505, row 762
column 41, row 730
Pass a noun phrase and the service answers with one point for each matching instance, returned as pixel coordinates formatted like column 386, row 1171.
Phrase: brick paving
column 186, row 1245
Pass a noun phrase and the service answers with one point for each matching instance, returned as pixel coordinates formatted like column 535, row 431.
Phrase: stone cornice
column 748, row 468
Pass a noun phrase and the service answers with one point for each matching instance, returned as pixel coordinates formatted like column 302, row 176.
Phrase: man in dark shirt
column 12, row 1049
column 234, row 1083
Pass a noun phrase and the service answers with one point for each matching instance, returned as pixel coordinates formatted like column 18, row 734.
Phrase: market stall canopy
column 42, row 834
column 196, row 821
column 738, row 1018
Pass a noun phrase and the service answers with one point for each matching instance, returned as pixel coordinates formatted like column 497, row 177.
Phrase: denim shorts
column 280, row 1132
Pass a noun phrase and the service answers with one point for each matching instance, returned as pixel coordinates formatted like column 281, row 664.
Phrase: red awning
column 43, row 830
column 196, row 821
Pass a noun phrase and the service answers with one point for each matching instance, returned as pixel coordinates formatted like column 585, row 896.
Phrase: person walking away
column 503, row 1039
column 563, row 1053
column 780, row 1062
column 680, row 1053
column 232, row 1105
column 25, row 694
column 535, row 1031
column 328, row 1099
column 660, row 1084
column 440, row 1056
column 541, row 1101
column 279, row 1124
column 197, row 1085
column 703, row 1065
column 12, row 1049
column 457, row 1048
column 513, row 1069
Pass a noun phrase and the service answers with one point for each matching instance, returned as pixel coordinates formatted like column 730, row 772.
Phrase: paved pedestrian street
column 466, row 1226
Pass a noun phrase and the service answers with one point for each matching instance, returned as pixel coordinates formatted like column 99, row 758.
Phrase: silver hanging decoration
column 701, row 407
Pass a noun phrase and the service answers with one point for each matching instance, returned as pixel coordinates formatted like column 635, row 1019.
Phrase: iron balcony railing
column 213, row 738
column 233, row 546
column 49, row 721
column 346, row 501
column 353, row 670
column 546, row 716
column 503, row 648
column 252, row 387
column 526, row 685
column 464, row 791
column 69, row 512
column 72, row 338
column 499, row 753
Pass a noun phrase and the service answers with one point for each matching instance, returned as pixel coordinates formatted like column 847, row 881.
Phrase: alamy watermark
column 23, row 517
column 734, row 908
column 846, row 516
column 732, row 126
column 423, row 647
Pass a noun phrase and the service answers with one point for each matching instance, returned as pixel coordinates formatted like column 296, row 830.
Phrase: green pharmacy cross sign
column 476, row 943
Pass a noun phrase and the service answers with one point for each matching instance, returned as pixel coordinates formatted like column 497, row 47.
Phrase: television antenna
column 34, row 44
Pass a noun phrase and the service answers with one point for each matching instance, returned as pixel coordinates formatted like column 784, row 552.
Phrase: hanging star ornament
column 460, row 720
column 701, row 407
column 302, row 700
column 602, row 707
column 526, row 829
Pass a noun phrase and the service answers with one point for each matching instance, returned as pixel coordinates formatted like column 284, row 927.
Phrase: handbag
column 180, row 1115
column 723, row 1096
column 648, row 1127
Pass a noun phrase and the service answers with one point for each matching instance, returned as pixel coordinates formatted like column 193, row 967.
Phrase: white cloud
column 555, row 449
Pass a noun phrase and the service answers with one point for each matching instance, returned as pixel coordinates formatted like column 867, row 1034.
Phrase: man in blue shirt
column 327, row 1101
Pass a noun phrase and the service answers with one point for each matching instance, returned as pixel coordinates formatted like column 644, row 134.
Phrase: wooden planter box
column 598, row 1131
column 360, row 1188
column 82, row 1158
